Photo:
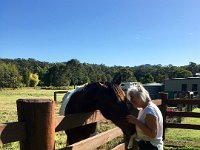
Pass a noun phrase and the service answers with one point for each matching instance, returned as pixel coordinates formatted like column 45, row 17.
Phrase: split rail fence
column 37, row 125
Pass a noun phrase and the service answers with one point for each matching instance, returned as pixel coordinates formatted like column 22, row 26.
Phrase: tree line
column 19, row 72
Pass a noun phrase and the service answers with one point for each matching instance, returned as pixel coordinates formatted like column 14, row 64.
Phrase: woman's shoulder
column 151, row 105
column 151, row 109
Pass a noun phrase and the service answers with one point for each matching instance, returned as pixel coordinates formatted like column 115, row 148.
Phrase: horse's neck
column 66, row 99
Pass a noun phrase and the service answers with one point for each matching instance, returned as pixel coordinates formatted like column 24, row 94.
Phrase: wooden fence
column 167, row 102
column 36, row 131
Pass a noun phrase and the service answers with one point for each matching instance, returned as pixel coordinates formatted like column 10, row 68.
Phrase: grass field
column 176, row 139
column 8, row 111
column 184, row 139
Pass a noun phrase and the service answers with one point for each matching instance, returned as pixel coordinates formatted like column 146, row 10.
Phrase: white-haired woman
column 149, row 123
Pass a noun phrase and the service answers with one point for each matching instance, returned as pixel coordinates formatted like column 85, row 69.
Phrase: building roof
column 153, row 84
column 184, row 78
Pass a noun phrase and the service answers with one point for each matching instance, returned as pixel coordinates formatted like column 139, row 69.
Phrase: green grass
column 8, row 111
column 176, row 139
column 184, row 139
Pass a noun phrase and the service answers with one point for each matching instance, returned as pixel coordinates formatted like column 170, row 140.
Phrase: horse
column 107, row 97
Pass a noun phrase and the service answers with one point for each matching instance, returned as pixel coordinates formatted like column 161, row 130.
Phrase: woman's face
column 135, row 101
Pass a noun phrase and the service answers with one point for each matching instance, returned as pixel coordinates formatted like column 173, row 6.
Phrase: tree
column 193, row 67
column 182, row 73
column 58, row 75
column 126, row 74
column 9, row 76
column 108, row 78
column 147, row 78
column 16, row 72
column 34, row 79
column 74, row 66
column 26, row 77
column 160, row 78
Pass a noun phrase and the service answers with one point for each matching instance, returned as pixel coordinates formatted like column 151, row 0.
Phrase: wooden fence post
column 55, row 98
column 39, row 117
column 164, row 97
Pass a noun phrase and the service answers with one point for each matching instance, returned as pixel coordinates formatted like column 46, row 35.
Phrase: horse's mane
column 91, row 89
column 119, row 92
column 116, row 88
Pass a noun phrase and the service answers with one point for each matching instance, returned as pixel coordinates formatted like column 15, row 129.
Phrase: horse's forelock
column 119, row 92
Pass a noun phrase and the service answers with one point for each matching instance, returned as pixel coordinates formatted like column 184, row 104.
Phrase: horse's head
column 111, row 100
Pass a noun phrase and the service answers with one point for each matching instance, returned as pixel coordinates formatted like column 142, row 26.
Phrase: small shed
column 154, row 89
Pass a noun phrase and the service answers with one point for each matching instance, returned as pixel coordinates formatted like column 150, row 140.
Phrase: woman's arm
column 150, row 126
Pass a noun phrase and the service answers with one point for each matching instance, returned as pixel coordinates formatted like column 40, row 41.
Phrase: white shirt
column 151, row 109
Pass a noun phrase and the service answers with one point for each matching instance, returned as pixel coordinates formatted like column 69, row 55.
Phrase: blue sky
column 109, row 32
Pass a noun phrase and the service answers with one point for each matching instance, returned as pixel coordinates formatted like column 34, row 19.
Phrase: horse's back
column 65, row 101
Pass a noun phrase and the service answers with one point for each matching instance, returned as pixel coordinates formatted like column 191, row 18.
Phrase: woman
column 149, row 123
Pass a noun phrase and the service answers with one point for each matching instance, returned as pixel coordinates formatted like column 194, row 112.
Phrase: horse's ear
column 117, row 80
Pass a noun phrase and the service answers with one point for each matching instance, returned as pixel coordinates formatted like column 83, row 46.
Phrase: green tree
column 58, row 75
column 74, row 66
column 26, row 77
column 193, row 67
column 160, row 78
column 182, row 73
column 126, row 74
column 108, row 77
column 147, row 78
column 9, row 76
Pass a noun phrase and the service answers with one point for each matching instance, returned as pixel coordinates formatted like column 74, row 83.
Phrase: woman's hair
column 138, row 92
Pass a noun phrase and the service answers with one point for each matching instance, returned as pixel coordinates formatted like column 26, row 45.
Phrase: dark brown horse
column 109, row 98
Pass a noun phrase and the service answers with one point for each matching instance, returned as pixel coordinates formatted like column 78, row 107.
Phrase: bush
column 34, row 79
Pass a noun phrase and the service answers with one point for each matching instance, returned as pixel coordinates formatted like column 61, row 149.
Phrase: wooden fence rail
column 96, row 141
column 76, row 120
column 36, row 131
column 167, row 102
column 7, row 130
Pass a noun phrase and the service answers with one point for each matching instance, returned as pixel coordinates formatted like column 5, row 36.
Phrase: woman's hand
column 149, row 127
column 131, row 119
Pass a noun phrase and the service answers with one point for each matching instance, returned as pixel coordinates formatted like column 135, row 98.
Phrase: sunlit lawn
column 8, row 111
column 184, row 138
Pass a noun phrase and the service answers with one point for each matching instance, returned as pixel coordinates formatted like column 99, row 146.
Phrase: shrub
column 34, row 79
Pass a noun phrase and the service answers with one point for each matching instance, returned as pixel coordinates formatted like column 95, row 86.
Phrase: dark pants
column 146, row 145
